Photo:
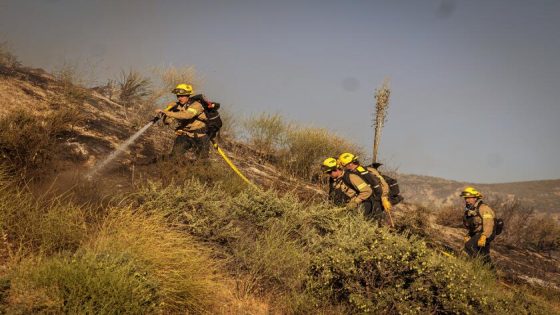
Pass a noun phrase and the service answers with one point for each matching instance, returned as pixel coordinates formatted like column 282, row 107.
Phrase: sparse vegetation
column 307, row 147
column 134, row 88
column 266, row 133
column 193, row 238
column 298, row 150
column 28, row 141
column 524, row 227
column 71, row 84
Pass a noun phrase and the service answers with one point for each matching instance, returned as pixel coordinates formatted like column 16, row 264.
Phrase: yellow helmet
column 470, row 192
column 347, row 158
column 329, row 164
column 183, row 89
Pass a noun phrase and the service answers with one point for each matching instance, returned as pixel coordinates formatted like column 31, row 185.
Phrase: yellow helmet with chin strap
column 329, row 165
column 470, row 192
column 183, row 89
column 347, row 158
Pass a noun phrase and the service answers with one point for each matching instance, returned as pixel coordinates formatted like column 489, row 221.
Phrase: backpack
column 373, row 181
column 394, row 190
column 369, row 178
column 214, row 122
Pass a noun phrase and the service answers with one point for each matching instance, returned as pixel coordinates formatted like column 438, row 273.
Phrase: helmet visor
column 181, row 92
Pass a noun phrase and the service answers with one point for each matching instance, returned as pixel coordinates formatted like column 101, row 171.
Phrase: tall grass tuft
column 28, row 142
column 71, row 84
column 133, row 88
column 296, row 149
column 266, row 133
column 307, row 147
column 31, row 225
column 133, row 264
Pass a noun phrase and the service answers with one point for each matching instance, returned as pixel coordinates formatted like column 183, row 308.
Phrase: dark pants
column 373, row 210
column 183, row 143
column 473, row 250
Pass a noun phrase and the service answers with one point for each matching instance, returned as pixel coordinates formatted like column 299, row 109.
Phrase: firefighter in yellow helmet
column 479, row 220
column 191, row 123
column 353, row 190
column 380, row 198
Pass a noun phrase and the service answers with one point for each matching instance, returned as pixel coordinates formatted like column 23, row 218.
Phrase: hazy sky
column 475, row 84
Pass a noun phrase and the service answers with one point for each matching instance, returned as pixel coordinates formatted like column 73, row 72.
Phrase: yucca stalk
column 381, row 106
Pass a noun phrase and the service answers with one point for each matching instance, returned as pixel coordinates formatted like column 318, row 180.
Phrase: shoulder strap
column 477, row 208
column 346, row 180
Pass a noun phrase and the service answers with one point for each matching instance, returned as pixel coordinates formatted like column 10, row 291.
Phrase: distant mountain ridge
column 543, row 195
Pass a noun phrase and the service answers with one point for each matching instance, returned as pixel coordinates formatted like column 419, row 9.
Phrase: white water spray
column 120, row 149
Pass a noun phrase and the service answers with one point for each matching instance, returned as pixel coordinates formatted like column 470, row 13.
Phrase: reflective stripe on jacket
column 361, row 192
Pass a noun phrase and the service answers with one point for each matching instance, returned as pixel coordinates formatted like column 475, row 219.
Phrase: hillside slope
column 543, row 195
column 104, row 124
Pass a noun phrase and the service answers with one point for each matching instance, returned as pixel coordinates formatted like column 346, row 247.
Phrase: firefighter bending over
column 380, row 197
column 354, row 194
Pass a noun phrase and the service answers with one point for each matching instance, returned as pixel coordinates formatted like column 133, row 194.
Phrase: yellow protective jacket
column 363, row 190
column 479, row 219
column 190, row 117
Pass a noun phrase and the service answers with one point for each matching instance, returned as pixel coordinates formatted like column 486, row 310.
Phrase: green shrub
column 413, row 220
column 83, row 283
column 373, row 271
column 313, row 257
column 185, row 277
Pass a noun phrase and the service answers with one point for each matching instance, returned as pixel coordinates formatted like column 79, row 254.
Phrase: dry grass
column 296, row 149
column 169, row 78
column 71, row 84
column 266, row 133
column 29, row 142
column 306, row 147
column 134, row 88
column 525, row 228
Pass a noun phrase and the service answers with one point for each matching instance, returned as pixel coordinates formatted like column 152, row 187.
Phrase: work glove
column 481, row 241
column 352, row 204
column 386, row 203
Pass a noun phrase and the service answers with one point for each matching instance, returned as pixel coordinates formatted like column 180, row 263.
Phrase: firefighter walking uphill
column 479, row 220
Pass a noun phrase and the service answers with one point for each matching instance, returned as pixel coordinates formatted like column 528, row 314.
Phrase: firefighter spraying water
column 198, row 123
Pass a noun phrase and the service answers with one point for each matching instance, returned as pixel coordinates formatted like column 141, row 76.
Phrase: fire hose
column 231, row 165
